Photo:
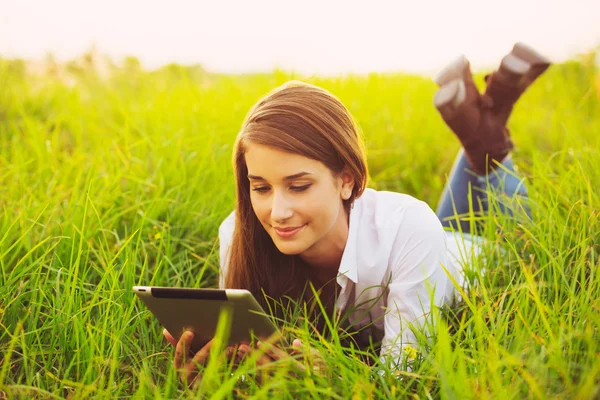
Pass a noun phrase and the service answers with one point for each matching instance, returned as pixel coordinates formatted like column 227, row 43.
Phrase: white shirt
column 393, row 238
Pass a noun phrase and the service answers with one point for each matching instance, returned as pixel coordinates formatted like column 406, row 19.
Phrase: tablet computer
column 198, row 310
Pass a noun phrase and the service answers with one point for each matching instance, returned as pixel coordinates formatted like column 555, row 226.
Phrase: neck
column 325, row 256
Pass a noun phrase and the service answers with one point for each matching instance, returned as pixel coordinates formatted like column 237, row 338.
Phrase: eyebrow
column 287, row 178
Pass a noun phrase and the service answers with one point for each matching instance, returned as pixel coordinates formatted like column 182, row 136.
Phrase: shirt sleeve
column 225, row 238
column 417, row 278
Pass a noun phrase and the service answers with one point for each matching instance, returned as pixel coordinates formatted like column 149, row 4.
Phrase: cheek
column 322, row 209
column 261, row 209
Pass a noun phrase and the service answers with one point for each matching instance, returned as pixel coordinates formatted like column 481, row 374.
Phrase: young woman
column 304, row 214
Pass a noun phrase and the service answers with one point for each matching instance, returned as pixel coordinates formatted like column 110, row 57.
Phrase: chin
column 289, row 249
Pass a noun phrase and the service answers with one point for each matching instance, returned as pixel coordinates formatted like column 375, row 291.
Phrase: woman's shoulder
column 394, row 219
column 225, row 239
column 387, row 207
column 226, row 236
column 227, row 226
column 395, row 232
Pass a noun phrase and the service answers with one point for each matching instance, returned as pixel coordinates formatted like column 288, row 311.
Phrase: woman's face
column 296, row 199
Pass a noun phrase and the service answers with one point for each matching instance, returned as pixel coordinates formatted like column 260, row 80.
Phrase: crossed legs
column 483, row 167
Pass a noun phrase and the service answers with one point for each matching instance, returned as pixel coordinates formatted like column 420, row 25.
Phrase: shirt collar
column 348, row 266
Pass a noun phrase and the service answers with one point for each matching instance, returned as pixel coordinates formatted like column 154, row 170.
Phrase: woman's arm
column 417, row 278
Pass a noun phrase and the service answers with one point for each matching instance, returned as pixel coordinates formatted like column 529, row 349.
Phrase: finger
column 299, row 349
column 239, row 355
column 313, row 356
column 169, row 337
column 297, row 346
column 231, row 355
column 182, row 348
column 276, row 354
column 271, row 350
column 261, row 358
column 243, row 352
column 229, row 352
column 190, row 372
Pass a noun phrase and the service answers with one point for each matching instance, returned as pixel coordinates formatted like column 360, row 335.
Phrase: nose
column 281, row 207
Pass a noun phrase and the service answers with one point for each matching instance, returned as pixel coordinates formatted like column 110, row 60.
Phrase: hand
column 186, row 366
column 272, row 353
column 267, row 354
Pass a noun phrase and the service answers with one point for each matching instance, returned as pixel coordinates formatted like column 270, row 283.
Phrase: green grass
column 106, row 183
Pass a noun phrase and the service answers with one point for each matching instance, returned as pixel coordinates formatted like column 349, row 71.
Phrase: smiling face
column 297, row 200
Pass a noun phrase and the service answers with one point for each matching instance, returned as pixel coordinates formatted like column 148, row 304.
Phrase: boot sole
column 450, row 96
column 520, row 60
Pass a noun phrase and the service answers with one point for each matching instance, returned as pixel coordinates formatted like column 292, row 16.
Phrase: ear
column 346, row 180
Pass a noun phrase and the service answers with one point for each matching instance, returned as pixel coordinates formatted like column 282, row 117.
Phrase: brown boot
column 482, row 134
column 519, row 69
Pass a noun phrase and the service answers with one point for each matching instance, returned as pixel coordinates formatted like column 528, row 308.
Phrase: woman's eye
column 262, row 189
column 299, row 188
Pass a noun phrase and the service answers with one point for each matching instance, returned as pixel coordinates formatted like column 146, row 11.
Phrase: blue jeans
column 468, row 195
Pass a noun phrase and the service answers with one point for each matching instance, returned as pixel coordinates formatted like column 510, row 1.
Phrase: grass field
column 109, row 182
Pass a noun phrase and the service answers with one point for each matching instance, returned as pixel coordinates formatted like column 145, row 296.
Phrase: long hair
column 302, row 119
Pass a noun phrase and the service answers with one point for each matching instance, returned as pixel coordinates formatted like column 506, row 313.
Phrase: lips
column 288, row 231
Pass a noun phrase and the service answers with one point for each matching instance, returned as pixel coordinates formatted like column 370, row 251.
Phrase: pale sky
column 322, row 37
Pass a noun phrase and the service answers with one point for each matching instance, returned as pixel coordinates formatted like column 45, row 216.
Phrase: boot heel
column 518, row 69
column 512, row 69
column 457, row 69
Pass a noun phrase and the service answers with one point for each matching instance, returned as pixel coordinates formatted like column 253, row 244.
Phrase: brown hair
column 297, row 118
